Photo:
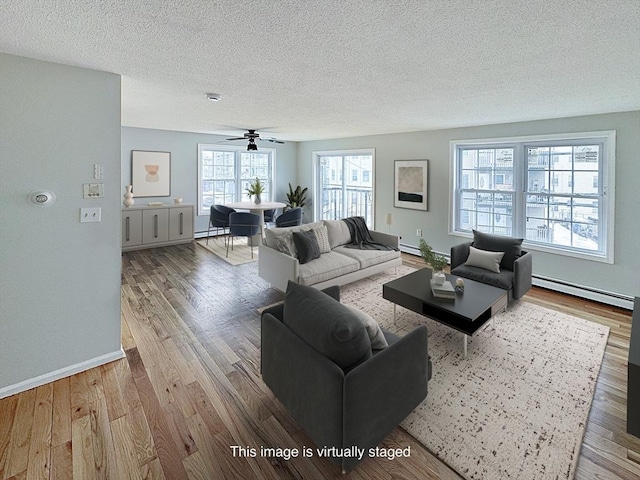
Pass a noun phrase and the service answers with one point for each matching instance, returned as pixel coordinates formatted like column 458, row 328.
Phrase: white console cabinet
column 148, row 227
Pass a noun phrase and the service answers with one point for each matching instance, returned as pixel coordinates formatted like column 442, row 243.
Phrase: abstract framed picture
column 151, row 173
column 411, row 184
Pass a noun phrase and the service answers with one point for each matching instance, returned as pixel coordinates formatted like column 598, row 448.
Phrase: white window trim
column 608, row 181
column 230, row 148
column 315, row 187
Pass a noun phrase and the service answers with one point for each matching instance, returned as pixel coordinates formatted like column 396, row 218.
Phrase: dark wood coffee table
column 467, row 313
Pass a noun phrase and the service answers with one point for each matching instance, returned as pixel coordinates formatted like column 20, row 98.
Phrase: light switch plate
column 98, row 171
column 90, row 215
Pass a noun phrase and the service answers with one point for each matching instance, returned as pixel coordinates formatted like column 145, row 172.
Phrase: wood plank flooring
column 190, row 388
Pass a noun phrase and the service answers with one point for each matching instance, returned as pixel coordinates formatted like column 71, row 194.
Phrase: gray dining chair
column 244, row 224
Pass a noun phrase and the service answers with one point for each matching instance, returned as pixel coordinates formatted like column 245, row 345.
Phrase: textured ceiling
column 309, row 69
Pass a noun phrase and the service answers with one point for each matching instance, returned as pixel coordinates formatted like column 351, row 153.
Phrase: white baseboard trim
column 581, row 291
column 61, row 373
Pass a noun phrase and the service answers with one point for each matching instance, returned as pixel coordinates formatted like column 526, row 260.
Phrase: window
column 551, row 191
column 338, row 198
column 224, row 174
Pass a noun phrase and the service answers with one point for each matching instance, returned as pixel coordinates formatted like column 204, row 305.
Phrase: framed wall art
column 411, row 184
column 151, row 173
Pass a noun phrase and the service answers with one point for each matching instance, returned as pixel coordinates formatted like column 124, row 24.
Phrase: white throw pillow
column 323, row 239
column 378, row 341
column 338, row 232
column 484, row 259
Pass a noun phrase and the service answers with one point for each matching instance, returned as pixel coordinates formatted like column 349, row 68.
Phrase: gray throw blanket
column 360, row 236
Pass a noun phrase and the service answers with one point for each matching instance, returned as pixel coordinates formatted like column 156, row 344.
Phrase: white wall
column 184, row 163
column 59, row 278
column 621, row 277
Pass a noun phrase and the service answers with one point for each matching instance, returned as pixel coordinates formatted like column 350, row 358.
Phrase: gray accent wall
column 59, row 278
column 184, row 163
column 621, row 277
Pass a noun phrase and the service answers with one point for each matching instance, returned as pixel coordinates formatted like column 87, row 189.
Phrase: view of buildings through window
column 549, row 193
column 224, row 174
column 345, row 185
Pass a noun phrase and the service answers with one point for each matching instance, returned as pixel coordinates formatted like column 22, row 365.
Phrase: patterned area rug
column 517, row 406
column 239, row 255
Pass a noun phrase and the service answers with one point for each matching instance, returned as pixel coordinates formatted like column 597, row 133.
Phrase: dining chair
column 219, row 219
column 244, row 224
column 269, row 215
column 290, row 218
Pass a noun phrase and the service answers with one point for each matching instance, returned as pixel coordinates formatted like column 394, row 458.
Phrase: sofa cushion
column 329, row 265
column 338, row 233
column 512, row 247
column 326, row 325
column 484, row 259
column 368, row 258
column 376, row 337
column 307, row 246
column 504, row 279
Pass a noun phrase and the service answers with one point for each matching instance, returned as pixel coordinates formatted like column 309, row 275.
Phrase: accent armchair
column 515, row 267
column 341, row 391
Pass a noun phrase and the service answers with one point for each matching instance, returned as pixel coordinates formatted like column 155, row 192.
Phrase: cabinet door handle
column 155, row 226
column 181, row 222
column 127, row 229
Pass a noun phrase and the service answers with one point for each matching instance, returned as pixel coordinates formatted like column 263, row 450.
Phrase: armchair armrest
column 308, row 384
column 385, row 238
column 459, row 254
column 276, row 267
column 522, row 273
column 381, row 392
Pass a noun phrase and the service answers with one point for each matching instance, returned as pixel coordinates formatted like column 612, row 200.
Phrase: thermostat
column 42, row 197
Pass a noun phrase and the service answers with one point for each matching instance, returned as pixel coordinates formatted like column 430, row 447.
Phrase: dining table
column 257, row 208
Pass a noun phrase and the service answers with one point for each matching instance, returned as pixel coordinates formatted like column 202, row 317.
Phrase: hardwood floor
column 190, row 388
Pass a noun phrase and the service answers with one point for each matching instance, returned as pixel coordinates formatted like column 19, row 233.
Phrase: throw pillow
column 284, row 244
column 512, row 247
column 322, row 235
column 376, row 337
column 306, row 245
column 484, row 259
column 326, row 325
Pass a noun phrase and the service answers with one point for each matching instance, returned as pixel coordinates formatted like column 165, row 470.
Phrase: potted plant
column 296, row 198
column 437, row 261
column 256, row 188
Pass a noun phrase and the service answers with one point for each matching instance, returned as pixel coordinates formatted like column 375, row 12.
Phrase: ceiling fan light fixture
column 252, row 145
column 214, row 97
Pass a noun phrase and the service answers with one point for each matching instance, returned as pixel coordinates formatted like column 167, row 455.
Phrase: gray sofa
column 317, row 361
column 339, row 266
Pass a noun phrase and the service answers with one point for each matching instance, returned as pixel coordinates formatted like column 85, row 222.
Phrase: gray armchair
column 341, row 407
column 515, row 268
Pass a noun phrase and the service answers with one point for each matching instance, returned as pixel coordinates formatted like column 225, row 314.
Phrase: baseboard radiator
column 581, row 291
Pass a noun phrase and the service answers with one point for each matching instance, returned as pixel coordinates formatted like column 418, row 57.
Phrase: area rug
column 240, row 254
column 517, row 406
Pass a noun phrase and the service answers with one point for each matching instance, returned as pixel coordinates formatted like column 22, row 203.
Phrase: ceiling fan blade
column 271, row 139
column 237, row 138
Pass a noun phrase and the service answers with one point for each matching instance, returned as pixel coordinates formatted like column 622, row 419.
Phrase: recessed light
column 214, row 97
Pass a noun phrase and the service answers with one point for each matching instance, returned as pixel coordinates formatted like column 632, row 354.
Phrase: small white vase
column 258, row 199
column 439, row 278
column 128, row 197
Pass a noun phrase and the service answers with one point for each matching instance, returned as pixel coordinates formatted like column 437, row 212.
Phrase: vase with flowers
column 256, row 189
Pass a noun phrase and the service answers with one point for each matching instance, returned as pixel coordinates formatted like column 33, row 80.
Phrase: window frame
column 238, row 151
column 316, row 156
column 606, row 187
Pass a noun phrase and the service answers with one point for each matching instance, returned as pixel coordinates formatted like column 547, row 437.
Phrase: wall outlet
column 419, row 232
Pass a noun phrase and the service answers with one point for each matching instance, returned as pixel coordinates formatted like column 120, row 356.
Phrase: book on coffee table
column 445, row 290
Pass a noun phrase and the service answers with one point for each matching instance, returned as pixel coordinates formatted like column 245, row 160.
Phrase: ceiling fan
column 252, row 136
